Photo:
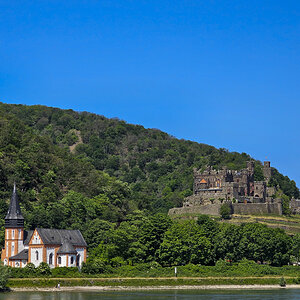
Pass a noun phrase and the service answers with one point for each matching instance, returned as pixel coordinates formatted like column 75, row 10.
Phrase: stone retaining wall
column 210, row 209
column 257, row 208
column 238, row 208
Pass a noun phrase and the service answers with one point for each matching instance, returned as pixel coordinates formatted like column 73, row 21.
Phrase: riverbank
column 150, row 283
column 144, row 288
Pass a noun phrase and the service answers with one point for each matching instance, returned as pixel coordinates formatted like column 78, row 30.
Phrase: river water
column 274, row 294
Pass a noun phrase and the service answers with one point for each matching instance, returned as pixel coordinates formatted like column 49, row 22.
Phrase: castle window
column 20, row 233
column 12, row 248
column 13, row 234
column 51, row 259
column 59, row 260
column 72, row 260
column 36, row 255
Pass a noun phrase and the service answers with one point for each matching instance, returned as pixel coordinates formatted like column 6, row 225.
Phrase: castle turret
column 14, row 229
column 267, row 170
column 250, row 167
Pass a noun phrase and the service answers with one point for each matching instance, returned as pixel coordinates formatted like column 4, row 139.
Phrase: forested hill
column 112, row 167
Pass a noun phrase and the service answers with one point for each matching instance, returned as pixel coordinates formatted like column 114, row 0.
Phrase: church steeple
column 14, row 216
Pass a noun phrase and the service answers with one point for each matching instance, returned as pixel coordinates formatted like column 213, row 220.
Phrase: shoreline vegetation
column 244, row 274
column 15, row 284
column 145, row 288
column 121, row 284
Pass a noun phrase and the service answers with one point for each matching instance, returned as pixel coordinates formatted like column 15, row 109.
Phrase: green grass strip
column 143, row 282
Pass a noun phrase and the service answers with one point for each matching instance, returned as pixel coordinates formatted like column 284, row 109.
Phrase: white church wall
column 18, row 264
column 36, row 256
column 80, row 251
column 20, row 246
column 36, row 239
column 70, row 258
column 48, row 252
column 13, row 249
column 62, row 260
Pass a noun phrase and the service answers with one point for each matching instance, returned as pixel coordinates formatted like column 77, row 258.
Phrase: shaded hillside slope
column 157, row 166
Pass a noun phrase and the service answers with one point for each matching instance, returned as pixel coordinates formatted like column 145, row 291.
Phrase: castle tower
column 14, row 229
column 267, row 170
column 250, row 167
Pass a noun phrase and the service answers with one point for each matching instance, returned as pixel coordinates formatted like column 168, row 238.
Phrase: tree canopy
column 115, row 182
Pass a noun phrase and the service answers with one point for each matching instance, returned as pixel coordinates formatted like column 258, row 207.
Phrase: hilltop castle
column 229, row 185
column 56, row 247
column 213, row 187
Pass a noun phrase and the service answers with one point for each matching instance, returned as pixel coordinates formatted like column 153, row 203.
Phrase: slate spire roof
column 14, row 216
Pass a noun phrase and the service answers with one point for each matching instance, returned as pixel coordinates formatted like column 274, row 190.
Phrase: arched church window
column 36, row 255
column 51, row 259
column 78, row 260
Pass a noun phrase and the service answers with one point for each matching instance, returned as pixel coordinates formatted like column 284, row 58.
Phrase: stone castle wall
column 257, row 208
column 210, row 209
column 214, row 187
column 238, row 208
column 295, row 206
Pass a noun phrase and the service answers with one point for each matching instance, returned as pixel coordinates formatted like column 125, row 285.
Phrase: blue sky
column 225, row 73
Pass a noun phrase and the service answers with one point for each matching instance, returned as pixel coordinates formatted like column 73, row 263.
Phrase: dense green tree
column 227, row 243
column 209, row 226
column 185, row 243
column 4, row 276
column 296, row 247
column 225, row 211
column 43, row 269
column 261, row 243
column 152, row 234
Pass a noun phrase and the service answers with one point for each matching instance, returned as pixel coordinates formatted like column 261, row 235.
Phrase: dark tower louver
column 14, row 216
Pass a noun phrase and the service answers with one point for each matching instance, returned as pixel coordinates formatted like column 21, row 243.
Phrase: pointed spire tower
column 14, row 230
column 14, row 218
